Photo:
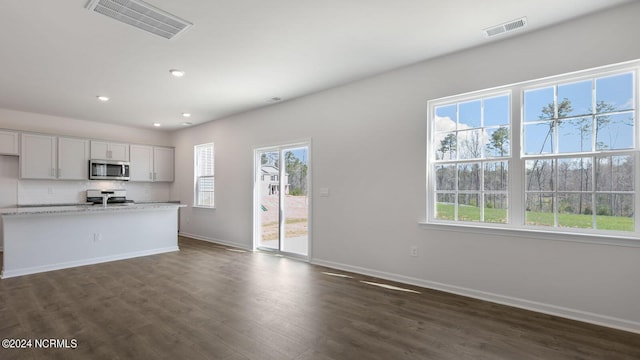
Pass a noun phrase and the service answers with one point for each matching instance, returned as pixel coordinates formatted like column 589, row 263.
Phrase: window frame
column 197, row 176
column 516, row 162
column 482, row 160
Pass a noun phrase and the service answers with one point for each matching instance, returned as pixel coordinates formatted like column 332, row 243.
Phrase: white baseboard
column 549, row 309
column 98, row 260
column 215, row 241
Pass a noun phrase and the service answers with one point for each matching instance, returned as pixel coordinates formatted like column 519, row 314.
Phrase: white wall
column 8, row 181
column 56, row 125
column 8, row 186
column 369, row 223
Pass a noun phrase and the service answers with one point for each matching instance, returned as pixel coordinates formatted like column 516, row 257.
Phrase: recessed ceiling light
column 157, row 124
column 186, row 114
column 102, row 98
column 186, row 123
column 275, row 99
column 176, row 72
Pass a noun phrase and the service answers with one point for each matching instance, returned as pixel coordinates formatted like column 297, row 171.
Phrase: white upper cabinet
column 104, row 150
column 99, row 150
column 141, row 161
column 119, row 151
column 38, row 156
column 65, row 158
column 8, row 143
column 149, row 163
column 163, row 164
column 73, row 159
column 50, row 157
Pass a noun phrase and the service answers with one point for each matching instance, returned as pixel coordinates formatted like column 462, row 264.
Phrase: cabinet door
column 141, row 160
column 8, row 143
column 163, row 162
column 99, row 150
column 118, row 152
column 103, row 150
column 38, row 157
column 73, row 159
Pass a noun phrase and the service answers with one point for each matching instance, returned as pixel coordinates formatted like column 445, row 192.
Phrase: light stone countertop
column 61, row 209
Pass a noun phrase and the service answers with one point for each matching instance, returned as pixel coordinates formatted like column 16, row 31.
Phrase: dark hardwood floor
column 206, row 302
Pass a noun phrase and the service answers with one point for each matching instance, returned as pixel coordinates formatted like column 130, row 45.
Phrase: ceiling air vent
column 506, row 27
column 139, row 14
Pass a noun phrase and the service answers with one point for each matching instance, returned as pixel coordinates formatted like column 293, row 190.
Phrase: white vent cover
column 506, row 27
column 139, row 14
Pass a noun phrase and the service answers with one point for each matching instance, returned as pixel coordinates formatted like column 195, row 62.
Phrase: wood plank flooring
column 206, row 302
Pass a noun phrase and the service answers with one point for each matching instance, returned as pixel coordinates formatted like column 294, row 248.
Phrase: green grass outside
column 472, row 213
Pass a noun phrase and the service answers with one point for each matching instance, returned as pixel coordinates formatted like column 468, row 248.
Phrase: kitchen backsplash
column 31, row 192
column 59, row 192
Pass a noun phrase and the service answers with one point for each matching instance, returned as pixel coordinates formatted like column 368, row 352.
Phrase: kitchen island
column 45, row 238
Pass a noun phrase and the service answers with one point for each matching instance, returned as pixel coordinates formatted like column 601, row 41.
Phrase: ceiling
column 57, row 56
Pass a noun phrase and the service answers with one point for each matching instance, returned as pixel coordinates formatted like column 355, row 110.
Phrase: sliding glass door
column 281, row 202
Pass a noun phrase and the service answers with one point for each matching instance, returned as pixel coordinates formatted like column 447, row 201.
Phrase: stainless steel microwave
column 108, row 170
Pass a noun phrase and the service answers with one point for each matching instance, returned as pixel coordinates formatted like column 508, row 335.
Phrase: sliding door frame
column 257, row 225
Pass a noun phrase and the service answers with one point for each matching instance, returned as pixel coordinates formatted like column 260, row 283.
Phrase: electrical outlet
column 97, row 237
column 50, row 190
column 413, row 251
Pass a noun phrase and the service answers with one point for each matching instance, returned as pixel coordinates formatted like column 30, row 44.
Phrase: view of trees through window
column 577, row 151
column 562, row 123
column 471, row 180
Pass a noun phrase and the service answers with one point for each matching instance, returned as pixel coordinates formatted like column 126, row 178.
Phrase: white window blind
column 204, row 175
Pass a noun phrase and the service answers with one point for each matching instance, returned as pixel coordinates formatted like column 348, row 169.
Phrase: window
column 556, row 154
column 204, row 175
column 471, row 146
column 579, row 153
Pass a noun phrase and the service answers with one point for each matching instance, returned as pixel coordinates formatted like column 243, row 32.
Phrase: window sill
column 600, row 239
column 203, row 207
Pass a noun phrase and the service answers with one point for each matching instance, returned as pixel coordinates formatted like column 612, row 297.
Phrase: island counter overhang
column 39, row 239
